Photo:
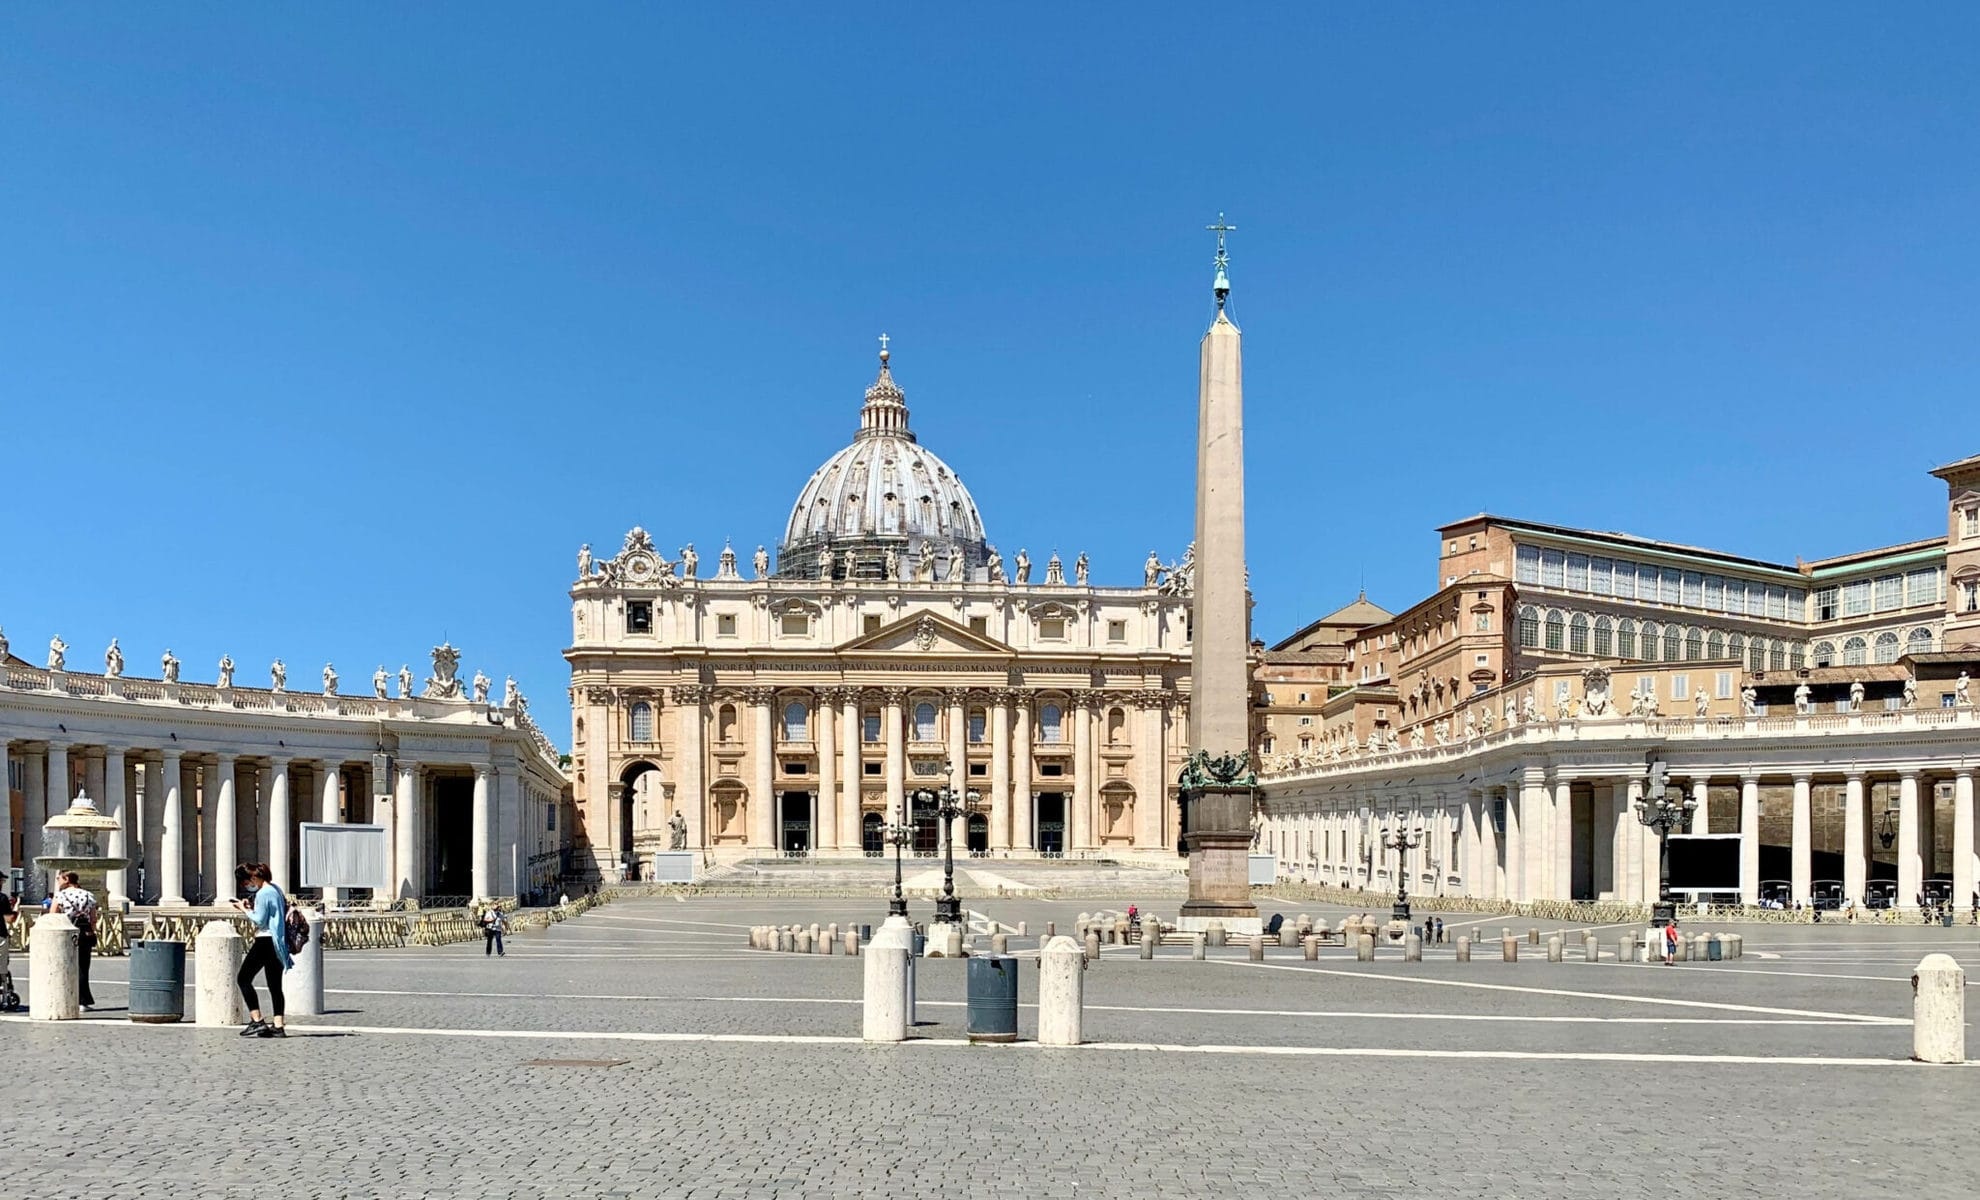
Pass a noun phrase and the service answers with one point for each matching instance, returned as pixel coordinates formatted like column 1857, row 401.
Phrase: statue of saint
column 226, row 670
column 924, row 565
column 378, row 679
column 761, row 562
column 1802, row 701
column 278, row 675
column 405, row 681
column 1701, row 704
column 510, row 694
column 329, row 680
column 1910, row 690
column 1856, row 696
column 892, row 563
column 1151, row 571
column 824, row 562
column 113, row 660
column 1023, row 561
column 1749, row 700
column 1079, row 569
column 170, row 666
column 690, row 561
column 584, row 561
column 58, row 651
column 1470, row 724
column 996, row 567
column 480, row 688
column 1959, row 691
column 677, row 831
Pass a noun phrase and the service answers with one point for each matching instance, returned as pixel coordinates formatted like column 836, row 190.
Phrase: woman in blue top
column 269, row 952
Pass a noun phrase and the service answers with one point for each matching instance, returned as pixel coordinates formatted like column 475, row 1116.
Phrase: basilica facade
column 806, row 708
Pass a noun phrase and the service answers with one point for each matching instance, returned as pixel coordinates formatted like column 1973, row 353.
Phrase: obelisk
column 1218, row 786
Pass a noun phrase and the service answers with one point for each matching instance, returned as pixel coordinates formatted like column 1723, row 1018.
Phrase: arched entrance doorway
column 1051, row 824
column 976, row 834
column 640, row 801
column 872, row 835
column 927, row 829
column 794, row 824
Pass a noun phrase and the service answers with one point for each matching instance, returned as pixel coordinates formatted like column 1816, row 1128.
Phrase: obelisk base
column 1219, row 843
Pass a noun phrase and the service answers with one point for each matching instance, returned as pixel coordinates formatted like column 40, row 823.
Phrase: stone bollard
column 1061, row 995
column 1121, row 932
column 885, row 977
column 1700, row 945
column 804, row 941
column 852, row 943
column 1554, row 948
column 1509, row 946
column 1092, row 945
column 1214, row 931
column 1505, row 931
column 907, row 940
column 1304, row 922
column 1364, row 947
column 1197, row 945
column 1533, row 937
column 752, row 937
column 1023, row 929
column 1938, row 1010
column 1683, row 949
column 1464, row 948
column 1289, row 935
column 302, row 985
column 1309, row 947
column 1735, row 945
column 1000, row 944
column 815, row 930
column 952, row 946
column 52, row 959
column 1591, row 950
column 828, row 942
column 1051, row 930
column 217, row 959
column 1626, row 948
column 1257, row 948
column 1147, row 944
column 1080, row 925
column 832, row 931
column 1412, row 948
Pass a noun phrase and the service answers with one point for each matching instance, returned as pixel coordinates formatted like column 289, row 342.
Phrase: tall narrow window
column 1887, row 646
column 1694, row 646
column 1626, row 639
column 796, row 720
column 1670, row 643
column 1919, row 642
column 642, row 722
column 1604, row 637
column 1855, row 650
column 1578, row 634
column 869, row 727
column 1554, row 627
column 976, row 725
column 1651, row 631
column 1051, row 723
column 1756, row 654
column 924, row 723
column 1715, row 646
column 1825, row 654
column 1529, row 628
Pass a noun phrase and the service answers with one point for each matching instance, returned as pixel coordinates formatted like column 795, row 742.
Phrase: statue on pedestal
column 58, row 653
column 924, row 565
column 824, row 562
column 378, row 682
column 677, row 831
column 1701, row 704
column 1960, row 699
column 1470, row 724
column 405, row 681
column 584, row 561
column 1023, row 562
column 1749, row 701
column 278, row 675
column 1151, row 571
column 329, row 680
column 760, row 562
column 511, row 697
column 1529, row 709
column 1910, row 690
column 169, row 664
column 996, row 567
column 1856, row 696
column 1079, row 569
column 891, row 564
column 113, row 660
column 226, row 670
column 1802, row 701
column 690, row 561
column 480, row 688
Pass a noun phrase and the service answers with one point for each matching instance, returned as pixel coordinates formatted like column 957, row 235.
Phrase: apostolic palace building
column 1821, row 713
column 794, row 709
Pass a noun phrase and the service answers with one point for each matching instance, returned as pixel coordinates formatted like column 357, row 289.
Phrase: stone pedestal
column 52, row 959
column 1938, row 1011
column 217, row 955
column 1219, row 843
column 303, row 986
column 673, row 866
column 1061, row 1008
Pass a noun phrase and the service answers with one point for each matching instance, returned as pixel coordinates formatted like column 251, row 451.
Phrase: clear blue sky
column 326, row 331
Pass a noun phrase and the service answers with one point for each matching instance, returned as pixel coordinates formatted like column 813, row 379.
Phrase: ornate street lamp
column 948, row 804
column 898, row 834
column 1401, row 842
column 1659, row 811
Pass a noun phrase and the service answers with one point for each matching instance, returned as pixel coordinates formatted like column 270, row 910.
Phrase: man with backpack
column 492, row 928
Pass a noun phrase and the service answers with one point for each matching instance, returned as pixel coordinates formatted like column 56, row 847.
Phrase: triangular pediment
column 923, row 633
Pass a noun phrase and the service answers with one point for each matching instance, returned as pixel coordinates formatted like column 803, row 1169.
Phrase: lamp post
column 948, row 804
column 1660, row 812
column 898, row 834
column 1401, row 842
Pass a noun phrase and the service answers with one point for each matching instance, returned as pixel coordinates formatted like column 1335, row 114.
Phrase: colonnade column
column 1643, row 864
column 1856, row 857
column 331, row 812
column 410, row 881
column 1022, row 834
column 1515, row 852
column 172, row 833
column 1963, row 880
column 1535, row 835
column 1000, row 770
column 225, row 828
column 851, row 834
column 1468, row 844
column 1801, row 846
column 958, row 755
column 1490, row 878
column 7, row 808
column 825, row 813
column 1562, row 814
column 1701, row 795
column 689, row 728
column 1749, row 839
column 93, row 775
column 1910, row 843
column 151, row 825
column 189, row 866
column 762, row 777
column 1081, row 712
column 1150, row 791
column 280, row 825
column 386, row 814
column 890, row 720
column 116, row 806
column 479, row 843
column 34, row 814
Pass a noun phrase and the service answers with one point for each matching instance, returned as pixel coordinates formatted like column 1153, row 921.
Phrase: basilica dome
column 884, row 495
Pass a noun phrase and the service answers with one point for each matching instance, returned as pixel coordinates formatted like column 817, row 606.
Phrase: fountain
column 74, row 841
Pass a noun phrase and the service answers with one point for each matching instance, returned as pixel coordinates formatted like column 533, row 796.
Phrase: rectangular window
column 1715, row 593
column 1797, row 604
column 976, row 725
column 1051, row 769
column 795, row 624
column 1969, row 523
column 1052, row 629
column 1669, row 586
column 1735, row 597
column 1526, row 566
column 1921, row 587
column 1893, row 703
column 1577, row 572
column 1480, row 660
column 1856, row 598
column 873, row 768
column 1890, row 592
column 1117, row 631
column 639, row 616
column 869, row 727
column 1694, row 590
column 870, row 623
column 1972, row 589
column 1825, row 604
column 979, row 625
column 1680, row 687
column 1647, row 684
column 1842, row 706
column 977, row 769
column 1602, row 576
column 725, row 624
column 1306, row 720
column 793, row 767
column 1723, row 685
column 1777, row 603
column 1553, row 564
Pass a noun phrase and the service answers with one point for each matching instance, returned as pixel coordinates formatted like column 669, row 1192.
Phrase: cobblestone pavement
column 449, row 1073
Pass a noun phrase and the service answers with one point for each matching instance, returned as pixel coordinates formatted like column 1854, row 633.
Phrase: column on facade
column 93, row 775
column 958, row 766
column 1749, row 839
column 851, row 835
column 409, row 882
column 1801, row 846
column 762, row 777
column 60, row 787
column 224, row 827
column 34, row 814
column 1642, row 862
column 1964, row 881
column 7, row 756
column 171, row 831
column 479, row 842
column 150, row 824
column 891, row 729
column 1468, row 858
column 281, row 826
column 330, row 811
column 1535, row 834
column 1856, row 846
column 189, row 809
column 1081, row 712
column 116, row 806
column 825, row 823
column 1000, row 769
column 386, row 813
column 1515, row 851
column 1561, row 813
column 690, row 726
column 1490, row 879
column 1023, row 835
column 1911, row 841
column 1151, row 802
column 1701, row 795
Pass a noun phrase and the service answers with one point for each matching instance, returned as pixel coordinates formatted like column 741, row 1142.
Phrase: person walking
column 1670, row 942
column 80, row 907
column 492, row 927
column 268, row 953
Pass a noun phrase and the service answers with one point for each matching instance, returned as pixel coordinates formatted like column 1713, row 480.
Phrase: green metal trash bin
column 1715, row 948
column 158, row 982
column 993, row 999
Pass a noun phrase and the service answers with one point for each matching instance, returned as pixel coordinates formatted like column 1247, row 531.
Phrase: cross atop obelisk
column 1218, row 787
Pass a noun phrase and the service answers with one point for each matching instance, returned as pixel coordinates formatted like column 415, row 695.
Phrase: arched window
column 1715, row 646
column 1694, row 646
column 1578, row 634
column 725, row 723
column 924, row 723
column 640, row 722
column 1887, row 646
column 1605, row 639
column 1651, row 630
column 1777, row 657
column 977, row 725
column 1051, row 724
column 1919, row 642
column 1554, row 628
column 1529, row 628
column 1825, row 654
column 1671, row 643
column 1117, row 727
column 1626, row 639
column 1756, row 654
column 1736, row 647
column 869, row 726
column 1855, row 650
column 1796, row 654
column 796, row 720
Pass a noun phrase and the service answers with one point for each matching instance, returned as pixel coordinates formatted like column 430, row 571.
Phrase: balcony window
column 1051, row 724
column 640, row 722
column 796, row 722
column 1890, row 593
column 924, row 723
column 1854, row 651
column 1826, row 604
column 1626, row 639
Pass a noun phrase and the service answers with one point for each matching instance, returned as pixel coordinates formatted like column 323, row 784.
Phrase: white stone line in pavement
column 1578, row 995
column 801, row 1039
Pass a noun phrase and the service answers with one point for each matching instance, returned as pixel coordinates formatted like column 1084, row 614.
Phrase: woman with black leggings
column 268, row 953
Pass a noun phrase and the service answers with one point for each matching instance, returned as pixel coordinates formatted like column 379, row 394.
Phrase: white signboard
column 344, row 856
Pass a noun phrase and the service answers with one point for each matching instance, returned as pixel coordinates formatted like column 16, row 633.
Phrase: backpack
column 295, row 931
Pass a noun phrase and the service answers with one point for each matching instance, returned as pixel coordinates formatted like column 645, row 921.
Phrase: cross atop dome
column 885, row 412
